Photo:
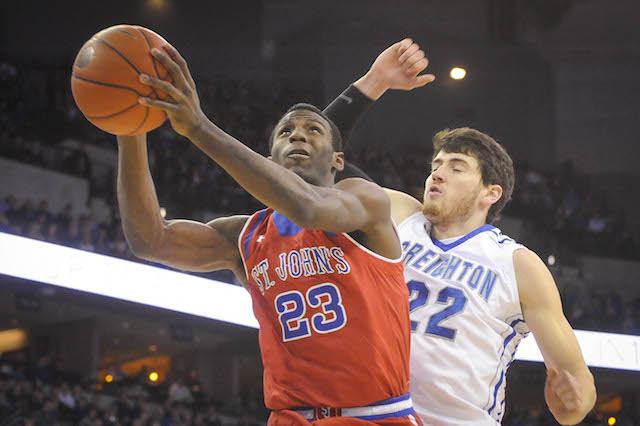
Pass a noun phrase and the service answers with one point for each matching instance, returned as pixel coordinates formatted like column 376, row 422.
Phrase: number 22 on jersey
column 292, row 308
column 418, row 297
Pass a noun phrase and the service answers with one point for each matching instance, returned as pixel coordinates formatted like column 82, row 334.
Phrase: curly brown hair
column 496, row 166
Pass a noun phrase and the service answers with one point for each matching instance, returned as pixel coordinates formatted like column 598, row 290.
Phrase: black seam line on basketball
column 123, row 31
column 119, row 54
column 117, row 86
column 102, row 117
column 125, row 58
column 144, row 120
column 153, row 60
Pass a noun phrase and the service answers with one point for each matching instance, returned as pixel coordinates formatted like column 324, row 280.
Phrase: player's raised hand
column 397, row 67
column 562, row 392
column 183, row 105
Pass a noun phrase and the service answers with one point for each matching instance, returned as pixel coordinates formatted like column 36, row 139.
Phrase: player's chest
column 445, row 273
column 286, row 265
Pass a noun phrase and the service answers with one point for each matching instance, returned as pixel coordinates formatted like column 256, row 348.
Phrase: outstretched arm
column 397, row 67
column 344, row 208
column 182, row 244
column 569, row 389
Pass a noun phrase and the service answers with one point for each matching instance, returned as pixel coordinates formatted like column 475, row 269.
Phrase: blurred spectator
column 42, row 403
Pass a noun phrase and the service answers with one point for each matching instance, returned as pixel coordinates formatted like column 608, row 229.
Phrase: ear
column 493, row 194
column 338, row 161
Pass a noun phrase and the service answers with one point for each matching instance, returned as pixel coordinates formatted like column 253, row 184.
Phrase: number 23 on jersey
column 292, row 308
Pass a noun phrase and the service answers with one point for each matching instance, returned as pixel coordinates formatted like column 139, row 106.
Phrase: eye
column 315, row 129
column 284, row 131
column 457, row 170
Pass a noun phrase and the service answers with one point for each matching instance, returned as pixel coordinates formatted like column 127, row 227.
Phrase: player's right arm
column 181, row 244
column 397, row 67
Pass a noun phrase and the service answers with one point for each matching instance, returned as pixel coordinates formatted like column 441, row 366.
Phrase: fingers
column 419, row 65
column 174, row 69
column 422, row 80
column 182, row 63
column 155, row 103
column 408, row 53
column 403, row 45
column 165, row 86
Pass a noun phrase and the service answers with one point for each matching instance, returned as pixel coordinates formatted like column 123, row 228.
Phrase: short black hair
column 336, row 137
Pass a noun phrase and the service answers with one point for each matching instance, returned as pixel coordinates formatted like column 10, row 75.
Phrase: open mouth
column 434, row 190
column 298, row 153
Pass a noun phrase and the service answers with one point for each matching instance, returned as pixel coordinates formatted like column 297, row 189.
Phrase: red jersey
column 334, row 316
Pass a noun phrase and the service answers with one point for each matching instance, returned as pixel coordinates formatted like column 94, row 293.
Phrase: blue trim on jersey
column 285, row 227
column 250, row 234
column 495, row 392
column 446, row 247
column 391, row 400
column 507, row 340
column 504, row 348
column 401, row 413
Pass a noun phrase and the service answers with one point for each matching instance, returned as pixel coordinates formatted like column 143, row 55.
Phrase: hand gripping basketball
column 105, row 83
column 183, row 105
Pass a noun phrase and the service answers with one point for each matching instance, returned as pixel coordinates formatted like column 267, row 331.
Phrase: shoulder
column 402, row 205
column 501, row 240
column 230, row 227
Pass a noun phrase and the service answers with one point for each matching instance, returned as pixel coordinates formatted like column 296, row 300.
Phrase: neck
column 442, row 229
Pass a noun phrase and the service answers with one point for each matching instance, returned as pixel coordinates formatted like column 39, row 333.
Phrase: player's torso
column 466, row 322
column 334, row 327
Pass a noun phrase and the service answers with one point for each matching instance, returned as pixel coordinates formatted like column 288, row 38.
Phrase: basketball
column 105, row 83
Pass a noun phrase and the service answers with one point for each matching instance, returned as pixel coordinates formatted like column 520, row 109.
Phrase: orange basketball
column 105, row 83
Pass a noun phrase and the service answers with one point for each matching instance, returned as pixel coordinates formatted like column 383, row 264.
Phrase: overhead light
column 611, row 421
column 157, row 4
column 458, row 73
column 108, row 378
column 153, row 376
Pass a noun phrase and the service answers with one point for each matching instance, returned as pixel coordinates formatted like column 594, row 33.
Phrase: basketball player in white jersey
column 475, row 293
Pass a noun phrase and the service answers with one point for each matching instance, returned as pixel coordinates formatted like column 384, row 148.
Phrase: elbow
column 141, row 250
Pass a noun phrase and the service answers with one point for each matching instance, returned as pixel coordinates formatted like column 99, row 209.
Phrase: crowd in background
column 38, row 394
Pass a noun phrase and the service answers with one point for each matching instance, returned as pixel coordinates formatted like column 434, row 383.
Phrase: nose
column 297, row 135
column 438, row 175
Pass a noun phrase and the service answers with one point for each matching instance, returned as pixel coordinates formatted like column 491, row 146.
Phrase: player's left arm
column 569, row 391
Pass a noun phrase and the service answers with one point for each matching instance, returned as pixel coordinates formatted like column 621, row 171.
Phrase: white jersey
column 466, row 322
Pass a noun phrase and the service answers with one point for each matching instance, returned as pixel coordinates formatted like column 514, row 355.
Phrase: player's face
column 302, row 144
column 453, row 188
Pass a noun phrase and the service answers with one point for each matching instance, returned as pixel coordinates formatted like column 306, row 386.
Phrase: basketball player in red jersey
column 322, row 262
